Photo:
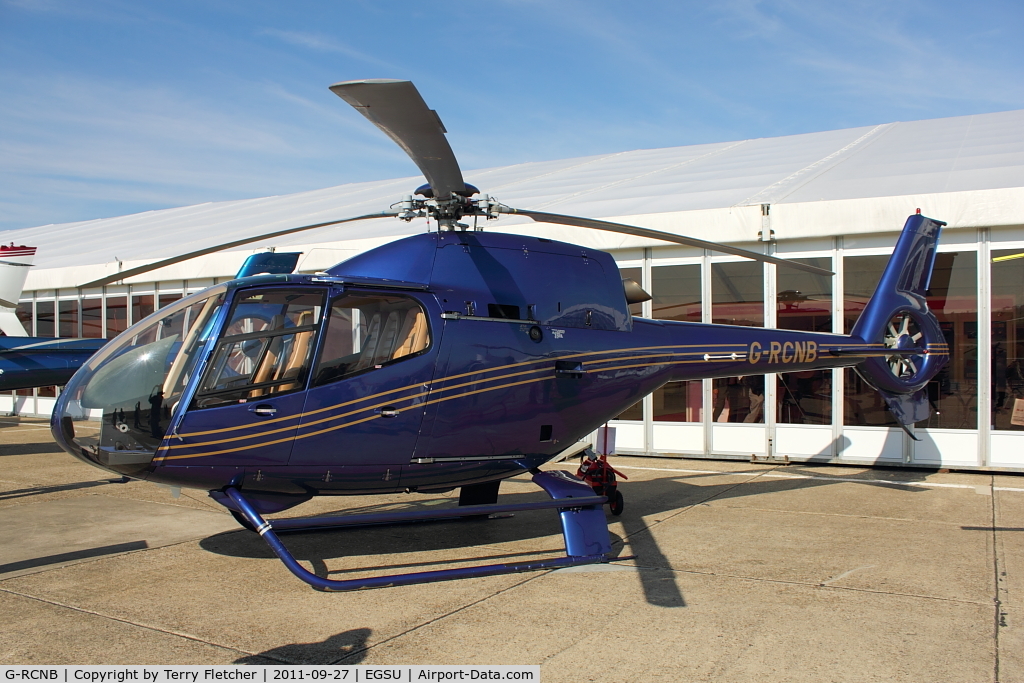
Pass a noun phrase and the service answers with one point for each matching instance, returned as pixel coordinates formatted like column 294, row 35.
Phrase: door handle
column 388, row 411
column 263, row 410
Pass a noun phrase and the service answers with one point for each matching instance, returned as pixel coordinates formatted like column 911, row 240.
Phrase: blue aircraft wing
column 27, row 362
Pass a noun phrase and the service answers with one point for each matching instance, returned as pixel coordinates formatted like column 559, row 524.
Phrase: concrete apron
column 745, row 572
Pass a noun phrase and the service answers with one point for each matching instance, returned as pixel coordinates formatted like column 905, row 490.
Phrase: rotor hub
column 448, row 212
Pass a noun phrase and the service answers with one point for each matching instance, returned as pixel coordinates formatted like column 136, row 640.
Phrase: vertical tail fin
column 897, row 317
column 14, row 265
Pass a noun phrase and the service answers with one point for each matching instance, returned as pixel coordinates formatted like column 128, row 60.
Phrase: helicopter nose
column 63, row 430
column 88, row 440
column 116, row 410
column 62, row 427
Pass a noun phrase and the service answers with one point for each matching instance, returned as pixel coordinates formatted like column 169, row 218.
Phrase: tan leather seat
column 266, row 369
column 369, row 344
column 388, row 337
column 414, row 333
column 296, row 360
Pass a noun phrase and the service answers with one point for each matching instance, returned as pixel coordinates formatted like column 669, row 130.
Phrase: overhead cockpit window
column 265, row 348
column 367, row 332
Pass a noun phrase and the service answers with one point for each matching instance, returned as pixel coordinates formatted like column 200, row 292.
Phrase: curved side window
column 365, row 332
column 265, row 348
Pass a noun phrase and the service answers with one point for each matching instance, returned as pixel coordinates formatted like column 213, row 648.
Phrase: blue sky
column 110, row 107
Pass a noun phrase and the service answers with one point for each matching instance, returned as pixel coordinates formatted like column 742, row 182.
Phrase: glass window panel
column 49, row 392
column 92, row 318
column 273, row 310
column 117, row 315
column 367, row 332
column 737, row 293
column 68, row 318
column 738, row 399
column 676, row 292
column 44, row 319
column 860, row 278
column 804, row 300
column 142, row 306
column 863, row 405
column 634, row 412
column 24, row 312
column 637, row 275
column 168, row 299
column 804, row 303
column 679, row 402
column 805, row 397
column 1007, row 338
column 256, row 361
column 953, row 298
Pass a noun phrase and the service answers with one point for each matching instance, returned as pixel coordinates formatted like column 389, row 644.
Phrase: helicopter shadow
column 648, row 502
column 348, row 645
column 46, row 448
column 43, row 490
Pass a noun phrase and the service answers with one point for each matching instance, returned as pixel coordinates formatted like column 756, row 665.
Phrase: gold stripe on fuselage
column 351, row 412
column 162, row 458
column 446, row 379
column 245, row 437
column 701, row 349
column 449, row 378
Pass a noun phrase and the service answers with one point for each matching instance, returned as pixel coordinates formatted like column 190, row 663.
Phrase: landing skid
column 584, row 529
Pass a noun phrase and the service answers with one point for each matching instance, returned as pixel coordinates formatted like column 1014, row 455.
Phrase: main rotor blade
column 131, row 272
column 542, row 217
column 398, row 109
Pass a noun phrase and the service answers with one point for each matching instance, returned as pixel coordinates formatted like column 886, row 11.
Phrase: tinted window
column 366, row 332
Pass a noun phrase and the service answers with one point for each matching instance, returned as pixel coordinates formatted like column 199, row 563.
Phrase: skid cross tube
column 306, row 523
column 584, row 529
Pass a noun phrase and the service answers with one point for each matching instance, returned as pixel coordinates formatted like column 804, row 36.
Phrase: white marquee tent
column 968, row 171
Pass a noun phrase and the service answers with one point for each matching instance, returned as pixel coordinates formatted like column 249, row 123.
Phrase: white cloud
column 95, row 143
column 321, row 43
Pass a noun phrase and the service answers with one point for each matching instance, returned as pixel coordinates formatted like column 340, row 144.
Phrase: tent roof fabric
column 818, row 184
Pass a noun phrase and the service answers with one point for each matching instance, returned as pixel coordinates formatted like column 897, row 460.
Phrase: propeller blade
column 398, row 109
column 560, row 219
column 131, row 272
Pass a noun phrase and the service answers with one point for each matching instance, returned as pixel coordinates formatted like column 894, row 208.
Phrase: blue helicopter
column 455, row 358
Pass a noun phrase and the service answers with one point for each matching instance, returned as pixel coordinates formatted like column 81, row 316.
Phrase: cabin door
column 369, row 386
column 250, row 397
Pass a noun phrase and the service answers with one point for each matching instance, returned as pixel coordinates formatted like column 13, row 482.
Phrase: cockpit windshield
column 133, row 384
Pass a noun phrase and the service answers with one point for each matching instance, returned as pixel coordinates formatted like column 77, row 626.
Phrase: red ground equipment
column 600, row 475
